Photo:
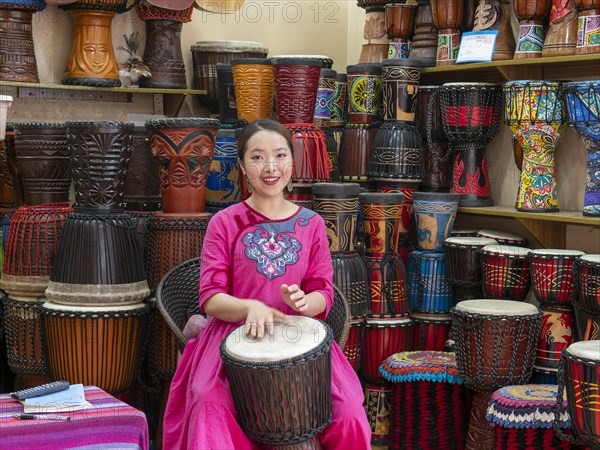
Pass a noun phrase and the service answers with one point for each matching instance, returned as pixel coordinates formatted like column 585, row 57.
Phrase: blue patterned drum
column 428, row 288
column 434, row 217
column 583, row 107
column 223, row 180
column 323, row 105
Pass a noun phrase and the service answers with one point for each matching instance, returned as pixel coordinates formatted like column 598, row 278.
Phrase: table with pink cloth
column 109, row 424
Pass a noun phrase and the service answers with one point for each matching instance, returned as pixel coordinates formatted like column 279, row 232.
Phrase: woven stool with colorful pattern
column 426, row 384
column 523, row 417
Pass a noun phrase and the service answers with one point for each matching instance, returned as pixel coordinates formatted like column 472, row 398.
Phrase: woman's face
column 268, row 163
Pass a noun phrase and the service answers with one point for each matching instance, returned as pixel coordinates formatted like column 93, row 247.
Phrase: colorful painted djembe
column 29, row 254
column 535, row 113
column 254, row 84
column 92, row 59
column 447, row 17
column 495, row 347
column 434, row 218
column 471, row 114
column 430, row 331
column 206, row 55
column 464, row 265
column 586, row 271
column 223, row 183
column 561, row 38
column 25, row 353
column 426, row 384
column 579, row 379
column 583, row 105
column 557, row 333
column 374, row 31
column 17, row 55
column 184, row 149
column 365, row 93
column 339, row 102
column 43, row 162
column 400, row 24
column 425, row 37
column 523, row 416
column 505, row 272
column 438, row 165
column 503, row 237
column 588, row 26
column 532, row 15
column 162, row 52
column 259, row 378
column 323, row 104
column 100, row 346
column 141, row 191
column 552, row 276
column 428, row 288
column 494, row 15
column 296, row 85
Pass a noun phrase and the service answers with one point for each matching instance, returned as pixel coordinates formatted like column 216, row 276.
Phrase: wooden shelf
column 549, row 68
column 124, row 90
column 549, row 229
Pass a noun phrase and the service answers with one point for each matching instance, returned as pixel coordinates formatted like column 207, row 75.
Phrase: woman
column 262, row 259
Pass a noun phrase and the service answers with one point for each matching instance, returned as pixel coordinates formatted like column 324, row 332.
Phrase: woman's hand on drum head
column 261, row 317
column 294, row 297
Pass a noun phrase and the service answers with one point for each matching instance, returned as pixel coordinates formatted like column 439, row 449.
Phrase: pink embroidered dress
column 249, row 256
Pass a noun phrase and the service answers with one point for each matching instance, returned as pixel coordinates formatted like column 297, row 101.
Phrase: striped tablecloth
column 110, row 424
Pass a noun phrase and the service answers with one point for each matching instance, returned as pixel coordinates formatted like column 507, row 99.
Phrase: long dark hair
column 259, row 125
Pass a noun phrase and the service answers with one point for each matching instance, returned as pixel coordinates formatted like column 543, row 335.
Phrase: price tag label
column 477, row 46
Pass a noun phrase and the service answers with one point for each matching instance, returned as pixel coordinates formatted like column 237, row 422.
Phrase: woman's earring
column 249, row 186
column 290, row 186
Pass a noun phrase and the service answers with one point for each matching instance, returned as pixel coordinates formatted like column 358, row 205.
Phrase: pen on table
column 40, row 417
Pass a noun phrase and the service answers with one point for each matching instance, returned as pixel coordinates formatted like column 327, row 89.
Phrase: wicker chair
column 177, row 300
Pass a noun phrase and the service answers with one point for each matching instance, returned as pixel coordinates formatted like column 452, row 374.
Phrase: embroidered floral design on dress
column 272, row 251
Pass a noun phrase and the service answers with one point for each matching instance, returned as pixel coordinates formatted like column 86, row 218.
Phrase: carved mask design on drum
column 93, row 39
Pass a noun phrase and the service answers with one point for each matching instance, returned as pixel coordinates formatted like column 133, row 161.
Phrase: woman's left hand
column 294, row 297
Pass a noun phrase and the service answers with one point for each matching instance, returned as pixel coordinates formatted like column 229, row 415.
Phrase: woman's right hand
column 259, row 317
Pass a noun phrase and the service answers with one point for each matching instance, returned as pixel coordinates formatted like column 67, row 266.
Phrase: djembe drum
column 296, row 85
column 496, row 342
column 463, row 265
column 523, row 416
column 557, row 333
column 350, row 276
column 354, row 343
column 438, row 169
column 503, row 237
column 11, row 163
column 426, row 384
column 586, row 271
column 100, row 346
column 535, row 113
column 400, row 24
column 17, row 55
column 531, row 14
column 579, row 378
column 588, row 26
column 356, row 148
column 374, row 31
column 434, row 217
column 43, row 162
column 298, row 375
column 552, row 275
column 428, row 288
column 561, row 38
column 430, row 331
column 162, row 52
column 587, row 323
column 447, row 16
column 228, row 114
column 323, row 103
column 141, row 191
column 471, row 114
column 92, row 59
column 583, row 106
column 254, row 84
column 206, row 55
column 30, row 251
column 505, row 272
column 184, row 149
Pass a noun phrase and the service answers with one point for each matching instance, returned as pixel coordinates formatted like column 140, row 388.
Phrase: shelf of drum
column 549, row 229
column 549, row 68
